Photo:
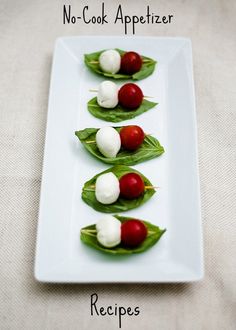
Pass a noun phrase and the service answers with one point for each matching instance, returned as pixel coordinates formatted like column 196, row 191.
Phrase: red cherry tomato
column 131, row 137
column 130, row 96
column 131, row 186
column 133, row 232
column 131, row 62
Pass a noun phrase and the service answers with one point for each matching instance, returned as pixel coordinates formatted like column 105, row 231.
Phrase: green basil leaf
column 150, row 148
column 118, row 113
column 122, row 204
column 88, row 235
column 146, row 70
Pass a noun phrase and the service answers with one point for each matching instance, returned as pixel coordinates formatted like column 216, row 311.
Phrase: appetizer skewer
column 126, row 145
column 111, row 61
column 110, row 232
column 109, row 140
column 129, row 137
column 130, row 95
column 117, row 189
column 117, row 104
column 118, row 64
column 121, row 235
column 108, row 188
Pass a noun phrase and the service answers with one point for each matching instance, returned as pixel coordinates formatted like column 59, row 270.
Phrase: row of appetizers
column 119, row 188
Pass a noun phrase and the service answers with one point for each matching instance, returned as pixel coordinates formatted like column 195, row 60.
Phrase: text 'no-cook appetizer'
column 117, row 189
column 118, row 64
column 117, row 104
column 121, row 235
column 127, row 145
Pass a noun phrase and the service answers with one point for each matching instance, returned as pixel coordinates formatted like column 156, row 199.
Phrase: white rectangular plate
column 178, row 256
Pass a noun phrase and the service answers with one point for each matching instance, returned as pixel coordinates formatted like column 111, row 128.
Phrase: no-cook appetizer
column 117, row 189
column 127, row 145
column 118, row 64
column 117, row 104
column 121, row 235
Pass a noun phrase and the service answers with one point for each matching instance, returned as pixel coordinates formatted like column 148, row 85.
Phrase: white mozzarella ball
column 109, row 61
column 108, row 94
column 107, row 189
column 108, row 141
column 109, row 231
column 108, row 238
column 107, row 221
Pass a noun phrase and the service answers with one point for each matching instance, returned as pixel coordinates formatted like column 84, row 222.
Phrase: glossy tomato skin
column 131, row 62
column 131, row 137
column 130, row 96
column 131, row 186
column 133, row 233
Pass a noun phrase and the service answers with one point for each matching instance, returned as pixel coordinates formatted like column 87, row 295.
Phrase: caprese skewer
column 111, row 232
column 127, row 145
column 108, row 188
column 111, row 61
column 121, row 235
column 119, row 189
column 109, row 140
column 119, row 64
column 109, row 95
